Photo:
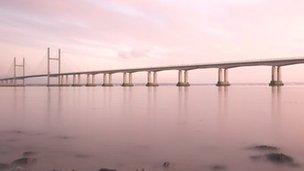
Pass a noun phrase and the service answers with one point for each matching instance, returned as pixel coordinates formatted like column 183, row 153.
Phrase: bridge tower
column 15, row 71
column 49, row 59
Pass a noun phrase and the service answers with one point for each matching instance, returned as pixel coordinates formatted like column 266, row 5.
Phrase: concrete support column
column 183, row 78
column 79, row 80
column 110, row 79
column 127, row 82
column 155, row 83
column 58, row 80
column 93, row 80
column 88, row 80
column 226, row 81
column 219, row 76
column 186, row 78
column 180, row 79
column 152, row 81
column 61, row 80
column 273, row 73
column 124, row 79
column 279, row 76
column 279, row 79
column 276, row 79
column 67, row 80
column 180, row 75
column 223, row 77
column 130, row 79
column 149, row 79
column 107, row 80
column 74, row 80
column 104, row 80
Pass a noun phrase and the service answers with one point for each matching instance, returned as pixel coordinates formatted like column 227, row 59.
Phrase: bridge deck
column 268, row 62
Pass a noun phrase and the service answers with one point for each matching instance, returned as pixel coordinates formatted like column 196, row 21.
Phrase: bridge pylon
column 22, row 66
column 49, row 60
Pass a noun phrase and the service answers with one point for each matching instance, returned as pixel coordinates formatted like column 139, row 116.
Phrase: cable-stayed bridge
column 183, row 70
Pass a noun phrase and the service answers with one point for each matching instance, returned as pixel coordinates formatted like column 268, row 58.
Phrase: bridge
column 183, row 70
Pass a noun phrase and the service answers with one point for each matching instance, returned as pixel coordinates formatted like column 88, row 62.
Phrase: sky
column 111, row 34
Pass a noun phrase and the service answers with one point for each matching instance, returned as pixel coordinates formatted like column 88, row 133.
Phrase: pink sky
column 105, row 34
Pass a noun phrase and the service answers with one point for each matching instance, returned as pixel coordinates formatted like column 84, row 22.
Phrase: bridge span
column 183, row 70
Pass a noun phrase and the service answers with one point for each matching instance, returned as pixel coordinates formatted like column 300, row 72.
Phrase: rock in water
column 104, row 169
column 265, row 148
column 4, row 167
column 140, row 170
column 20, row 169
column 29, row 154
column 218, row 167
column 24, row 162
column 166, row 164
column 257, row 157
column 280, row 158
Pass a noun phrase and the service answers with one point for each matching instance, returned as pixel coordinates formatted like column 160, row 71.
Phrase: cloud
column 161, row 31
column 152, row 52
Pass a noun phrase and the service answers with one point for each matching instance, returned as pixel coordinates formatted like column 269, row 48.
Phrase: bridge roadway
column 276, row 64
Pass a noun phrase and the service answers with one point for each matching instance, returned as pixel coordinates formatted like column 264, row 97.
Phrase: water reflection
column 151, row 101
column 106, row 99
column 127, row 107
column 276, row 110
column 54, row 110
column 222, row 115
column 54, row 100
column 183, row 93
column 191, row 127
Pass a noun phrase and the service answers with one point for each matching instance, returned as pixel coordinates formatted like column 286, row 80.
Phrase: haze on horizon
column 108, row 34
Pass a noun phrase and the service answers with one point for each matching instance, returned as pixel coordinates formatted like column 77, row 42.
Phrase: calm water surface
column 193, row 128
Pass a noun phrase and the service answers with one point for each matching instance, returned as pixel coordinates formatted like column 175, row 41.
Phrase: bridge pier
column 49, row 59
column 107, row 80
column 222, row 77
column 152, row 82
column 61, row 80
column 93, row 80
column 276, row 79
column 79, row 80
column 15, row 80
column 67, row 80
column 76, row 82
column 127, row 80
column 90, row 80
column 183, row 78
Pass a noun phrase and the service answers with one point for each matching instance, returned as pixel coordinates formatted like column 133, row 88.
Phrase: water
column 193, row 128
